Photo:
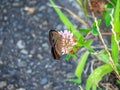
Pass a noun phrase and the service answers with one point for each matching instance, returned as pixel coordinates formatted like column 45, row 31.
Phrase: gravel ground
column 25, row 59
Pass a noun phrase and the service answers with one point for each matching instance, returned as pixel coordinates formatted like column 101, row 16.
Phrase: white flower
column 68, row 41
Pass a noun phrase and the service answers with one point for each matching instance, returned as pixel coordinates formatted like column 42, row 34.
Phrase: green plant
column 111, row 16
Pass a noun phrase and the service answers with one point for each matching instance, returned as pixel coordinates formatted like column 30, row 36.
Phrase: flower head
column 97, row 6
column 68, row 41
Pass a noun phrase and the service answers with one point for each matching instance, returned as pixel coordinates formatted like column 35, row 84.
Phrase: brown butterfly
column 55, row 40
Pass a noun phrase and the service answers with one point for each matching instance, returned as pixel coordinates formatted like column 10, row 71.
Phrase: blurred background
column 25, row 58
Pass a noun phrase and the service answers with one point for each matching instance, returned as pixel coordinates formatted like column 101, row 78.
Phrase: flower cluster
column 97, row 6
column 68, row 41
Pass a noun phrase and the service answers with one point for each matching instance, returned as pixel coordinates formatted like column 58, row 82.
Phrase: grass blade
column 79, row 69
column 116, row 29
column 97, row 75
column 81, row 64
column 66, row 21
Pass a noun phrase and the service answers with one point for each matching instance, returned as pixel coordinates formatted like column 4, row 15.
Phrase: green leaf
column 109, row 5
column 116, row 23
column 106, row 16
column 97, row 75
column 118, row 67
column 81, row 65
column 94, row 27
column 114, row 1
column 87, row 44
column 79, row 69
column 103, row 56
column 118, row 81
column 68, row 56
column 84, row 30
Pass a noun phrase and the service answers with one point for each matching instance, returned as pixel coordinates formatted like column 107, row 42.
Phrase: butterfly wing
column 55, row 40
column 53, row 37
column 55, row 55
column 58, row 45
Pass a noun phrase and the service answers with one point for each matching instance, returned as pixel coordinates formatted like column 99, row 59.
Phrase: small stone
column 1, row 62
column 45, row 45
column 56, row 88
column 32, row 51
column 20, row 44
column 10, row 87
column 23, row 51
column 31, row 10
column 15, row 4
column 5, row 18
column 2, row 84
column 35, row 84
column 4, row 10
column 29, row 71
column 30, row 55
column 22, row 63
column 48, row 86
column 21, row 89
column 40, row 26
column 1, row 42
column 43, row 81
column 36, row 18
column 40, row 56
column 32, row 2
column 31, row 63
column 59, row 27
column 45, row 23
column 42, row 8
column 70, row 75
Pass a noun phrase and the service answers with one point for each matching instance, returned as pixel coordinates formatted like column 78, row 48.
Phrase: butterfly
column 55, row 40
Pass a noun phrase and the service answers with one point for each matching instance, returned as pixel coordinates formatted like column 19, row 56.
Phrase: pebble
column 36, row 18
column 20, row 44
column 48, row 86
column 31, row 63
column 22, row 63
column 45, row 23
column 10, row 87
column 4, row 10
column 70, row 75
column 40, row 56
column 43, row 81
column 42, row 8
column 45, row 45
column 1, row 42
column 35, row 84
column 24, row 51
column 32, row 2
column 59, row 27
column 1, row 62
column 56, row 88
column 29, row 71
column 31, row 10
column 21, row 89
column 15, row 4
column 3, row 84
column 5, row 18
